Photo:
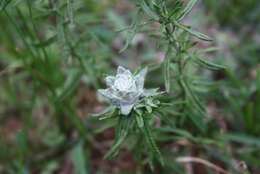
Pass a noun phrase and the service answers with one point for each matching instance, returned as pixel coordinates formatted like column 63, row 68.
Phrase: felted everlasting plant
column 134, row 109
column 126, row 90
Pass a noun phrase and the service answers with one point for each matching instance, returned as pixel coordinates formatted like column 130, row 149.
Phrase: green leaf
column 178, row 6
column 70, row 85
column 197, row 119
column 127, row 32
column 52, row 137
column 123, row 126
column 177, row 131
column 207, row 64
column 129, row 37
column 258, row 79
column 249, row 116
column 70, row 12
column 116, row 20
column 114, row 149
column 147, row 9
column 149, row 109
column 187, row 9
column 166, row 70
column 46, row 42
column 22, row 142
column 131, row 34
column 166, row 117
column 195, row 100
column 50, row 167
column 152, row 103
column 107, row 113
column 78, row 159
column 3, row 4
column 242, row 138
column 210, row 49
column 139, row 111
column 151, row 142
column 139, row 120
column 192, row 32
column 70, row 113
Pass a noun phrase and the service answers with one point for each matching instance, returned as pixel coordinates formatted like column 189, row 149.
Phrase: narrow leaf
column 116, row 145
column 110, row 112
column 70, row 85
column 242, row 138
column 151, row 142
column 46, row 42
column 104, row 113
column 131, row 34
column 124, row 123
column 78, row 159
column 3, row 4
column 193, row 96
column 139, row 120
column 258, row 79
column 197, row 119
column 207, row 64
column 166, row 71
column 187, row 9
column 148, row 10
column 192, row 32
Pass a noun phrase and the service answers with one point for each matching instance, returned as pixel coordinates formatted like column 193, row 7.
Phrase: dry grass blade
column 190, row 159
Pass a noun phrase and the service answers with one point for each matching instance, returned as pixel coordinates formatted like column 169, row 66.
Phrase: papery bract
column 125, row 89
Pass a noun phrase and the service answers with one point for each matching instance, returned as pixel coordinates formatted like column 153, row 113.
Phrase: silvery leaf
column 139, row 78
column 108, row 93
column 104, row 112
column 122, row 70
column 151, row 92
column 126, row 108
column 110, row 80
column 131, row 96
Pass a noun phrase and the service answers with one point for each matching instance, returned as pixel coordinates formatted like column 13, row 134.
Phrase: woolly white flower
column 125, row 89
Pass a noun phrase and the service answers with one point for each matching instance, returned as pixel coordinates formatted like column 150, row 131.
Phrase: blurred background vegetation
column 54, row 55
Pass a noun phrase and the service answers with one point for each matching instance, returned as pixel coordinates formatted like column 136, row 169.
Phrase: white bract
column 125, row 89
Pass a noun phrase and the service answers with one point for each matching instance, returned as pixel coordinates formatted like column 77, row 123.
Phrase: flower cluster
column 125, row 89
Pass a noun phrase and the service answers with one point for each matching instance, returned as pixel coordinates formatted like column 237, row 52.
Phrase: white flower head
column 125, row 89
